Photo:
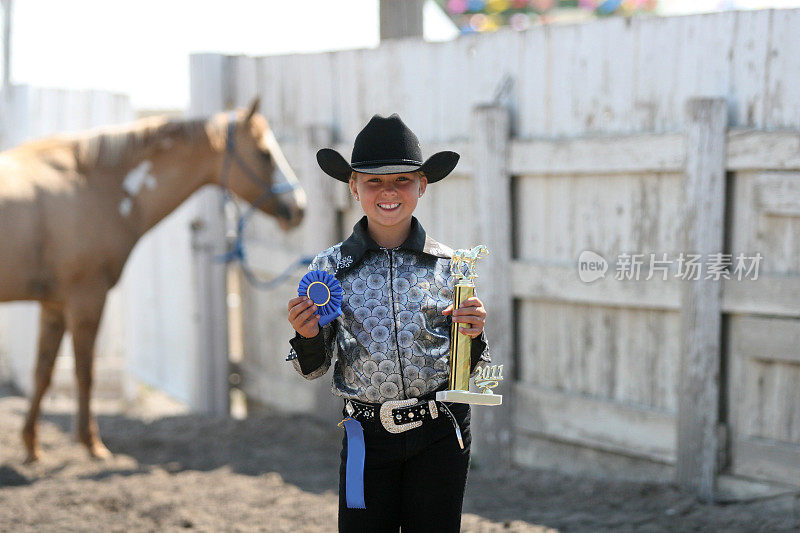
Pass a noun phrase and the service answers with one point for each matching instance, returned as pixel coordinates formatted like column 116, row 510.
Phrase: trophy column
column 460, row 344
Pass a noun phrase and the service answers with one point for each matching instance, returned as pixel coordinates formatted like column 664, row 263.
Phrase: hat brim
column 435, row 168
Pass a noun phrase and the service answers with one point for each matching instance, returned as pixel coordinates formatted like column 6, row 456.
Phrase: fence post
column 400, row 19
column 319, row 222
column 701, row 314
column 492, row 227
column 210, row 388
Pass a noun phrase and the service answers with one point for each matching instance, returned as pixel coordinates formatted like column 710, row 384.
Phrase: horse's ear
column 216, row 129
column 253, row 109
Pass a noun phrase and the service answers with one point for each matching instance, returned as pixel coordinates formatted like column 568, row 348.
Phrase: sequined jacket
column 392, row 341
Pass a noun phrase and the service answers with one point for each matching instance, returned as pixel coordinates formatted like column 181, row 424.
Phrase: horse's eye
column 267, row 157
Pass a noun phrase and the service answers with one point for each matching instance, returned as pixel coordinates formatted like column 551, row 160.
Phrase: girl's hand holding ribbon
column 302, row 316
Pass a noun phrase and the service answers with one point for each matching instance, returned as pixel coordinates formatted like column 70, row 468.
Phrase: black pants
column 414, row 480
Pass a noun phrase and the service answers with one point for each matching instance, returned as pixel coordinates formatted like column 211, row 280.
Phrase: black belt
column 397, row 416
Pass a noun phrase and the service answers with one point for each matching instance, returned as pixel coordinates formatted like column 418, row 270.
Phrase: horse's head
column 253, row 165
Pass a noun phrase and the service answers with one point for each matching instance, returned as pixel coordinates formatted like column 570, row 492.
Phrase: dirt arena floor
column 173, row 471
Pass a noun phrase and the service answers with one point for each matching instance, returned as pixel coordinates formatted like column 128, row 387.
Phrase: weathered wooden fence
column 618, row 136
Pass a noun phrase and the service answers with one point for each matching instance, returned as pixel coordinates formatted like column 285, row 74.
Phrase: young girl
column 392, row 342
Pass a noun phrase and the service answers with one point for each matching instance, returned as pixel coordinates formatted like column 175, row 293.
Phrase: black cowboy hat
column 386, row 146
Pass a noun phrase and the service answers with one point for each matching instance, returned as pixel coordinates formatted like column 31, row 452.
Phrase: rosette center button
column 319, row 293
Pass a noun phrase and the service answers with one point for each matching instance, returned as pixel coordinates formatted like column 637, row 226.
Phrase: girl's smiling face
column 388, row 199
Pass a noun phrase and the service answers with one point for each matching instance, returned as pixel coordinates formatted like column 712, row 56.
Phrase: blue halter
column 232, row 155
column 237, row 251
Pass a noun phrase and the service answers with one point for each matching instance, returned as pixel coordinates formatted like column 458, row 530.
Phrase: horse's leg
column 83, row 319
column 51, row 331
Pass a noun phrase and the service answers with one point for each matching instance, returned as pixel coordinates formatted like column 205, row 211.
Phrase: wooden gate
column 763, row 384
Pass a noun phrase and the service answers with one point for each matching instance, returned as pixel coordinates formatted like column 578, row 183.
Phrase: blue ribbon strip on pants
column 354, row 486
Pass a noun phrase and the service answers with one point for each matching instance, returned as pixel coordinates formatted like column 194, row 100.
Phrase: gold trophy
column 460, row 344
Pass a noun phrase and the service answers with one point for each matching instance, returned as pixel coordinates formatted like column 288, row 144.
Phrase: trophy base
column 475, row 398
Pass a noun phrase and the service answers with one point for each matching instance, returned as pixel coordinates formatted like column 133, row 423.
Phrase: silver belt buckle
column 387, row 419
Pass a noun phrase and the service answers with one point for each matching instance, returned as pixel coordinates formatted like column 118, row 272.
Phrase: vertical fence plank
column 749, row 67
column 210, row 93
column 210, row 389
column 490, row 142
column 319, row 224
column 245, row 76
column 782, row 88
column 698, row 384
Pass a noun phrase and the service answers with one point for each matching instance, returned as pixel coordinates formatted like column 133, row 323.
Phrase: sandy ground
column 174, row 471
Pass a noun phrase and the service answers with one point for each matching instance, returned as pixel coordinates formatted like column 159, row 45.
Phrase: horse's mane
column 113, row 146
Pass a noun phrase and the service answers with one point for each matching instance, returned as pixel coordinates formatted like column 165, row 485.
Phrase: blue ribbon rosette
column 325, row 291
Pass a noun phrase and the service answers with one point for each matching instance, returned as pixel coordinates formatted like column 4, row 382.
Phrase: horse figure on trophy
column 468, row 257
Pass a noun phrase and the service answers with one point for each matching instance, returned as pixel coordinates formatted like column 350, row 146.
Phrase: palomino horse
column 72, row 208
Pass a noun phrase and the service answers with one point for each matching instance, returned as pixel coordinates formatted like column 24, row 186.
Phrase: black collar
column 357, row 244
